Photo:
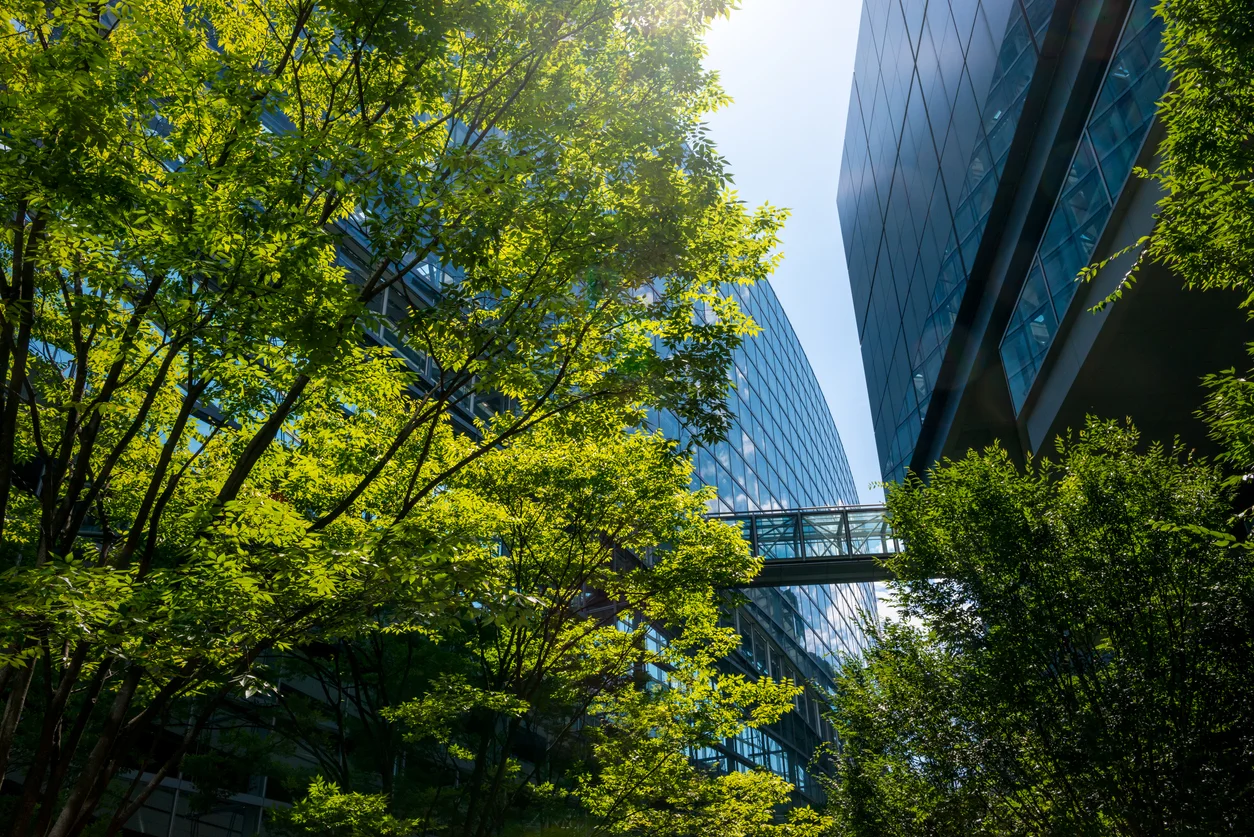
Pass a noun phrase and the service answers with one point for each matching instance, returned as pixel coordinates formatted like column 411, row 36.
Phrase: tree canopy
column 1203, row 160
column 574, row 688
column 273, row 276
column 1205, row 220
column 1074, row 657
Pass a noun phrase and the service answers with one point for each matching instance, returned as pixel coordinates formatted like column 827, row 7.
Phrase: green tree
column 264, row 266
column 1075, row 654
column 538, row 706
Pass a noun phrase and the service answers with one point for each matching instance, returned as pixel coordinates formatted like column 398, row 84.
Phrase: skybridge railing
column 832, row 545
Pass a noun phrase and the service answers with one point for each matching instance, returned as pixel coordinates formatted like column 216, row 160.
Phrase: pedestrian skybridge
column 836, row 545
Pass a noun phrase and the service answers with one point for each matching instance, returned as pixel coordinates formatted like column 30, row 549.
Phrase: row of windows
column 752, row 749
column 784, row 747
column 819, row 621
column 1116, row 129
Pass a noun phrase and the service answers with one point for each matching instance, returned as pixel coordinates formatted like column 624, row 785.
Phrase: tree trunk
column 99, row 759
column 13, row 713
column 54, row 714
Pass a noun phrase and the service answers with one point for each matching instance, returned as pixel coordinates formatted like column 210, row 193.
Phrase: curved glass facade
column 783, row 452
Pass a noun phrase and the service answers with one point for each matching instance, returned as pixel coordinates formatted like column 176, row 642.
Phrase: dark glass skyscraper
column 988, row 158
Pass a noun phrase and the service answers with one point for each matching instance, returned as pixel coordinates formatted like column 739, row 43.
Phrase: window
column 1118, row 123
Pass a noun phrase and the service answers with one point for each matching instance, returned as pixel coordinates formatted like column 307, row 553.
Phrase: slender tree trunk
column 476, row 781
column 129, row 807
column 20, row 301
column 261, row 440
column 66, row 520
column 13, row 713
column 493, row 812
column 149, row 504
column 99, row 758
column 54, row 715
column 61, row 768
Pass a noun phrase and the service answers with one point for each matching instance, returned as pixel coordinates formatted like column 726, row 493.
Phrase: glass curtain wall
column 937, row 93
column 783, row 452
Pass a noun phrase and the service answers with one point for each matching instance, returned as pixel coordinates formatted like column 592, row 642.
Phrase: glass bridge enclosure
column 840, row 544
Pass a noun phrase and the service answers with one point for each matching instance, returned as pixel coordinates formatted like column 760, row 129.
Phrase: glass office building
column 938, row 91
column 987, row 160
column 783, row 452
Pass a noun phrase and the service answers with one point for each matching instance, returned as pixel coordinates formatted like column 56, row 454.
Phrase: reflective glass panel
column 777, row 537
column 869, row 533
column 1117, row 126
column 824, row 534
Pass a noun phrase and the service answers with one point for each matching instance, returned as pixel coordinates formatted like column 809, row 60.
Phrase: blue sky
column 788, row 65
